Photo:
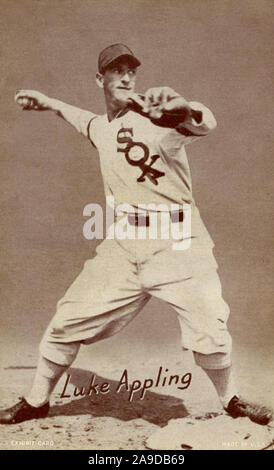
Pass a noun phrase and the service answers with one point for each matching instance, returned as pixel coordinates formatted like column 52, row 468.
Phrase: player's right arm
column 34, row 100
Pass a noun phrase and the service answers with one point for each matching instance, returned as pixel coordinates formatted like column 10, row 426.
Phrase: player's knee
column 59, row 323
column 57, row 327
column 218, row 360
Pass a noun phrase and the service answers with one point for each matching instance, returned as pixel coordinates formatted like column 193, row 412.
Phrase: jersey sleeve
column 92, row 131
column 83, row 122
column 200, row 122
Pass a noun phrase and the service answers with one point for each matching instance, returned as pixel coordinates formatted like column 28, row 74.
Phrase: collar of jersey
column 132, row 106
column 119, row 114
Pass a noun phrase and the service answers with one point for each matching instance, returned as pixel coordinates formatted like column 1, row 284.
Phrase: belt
column 143, row 220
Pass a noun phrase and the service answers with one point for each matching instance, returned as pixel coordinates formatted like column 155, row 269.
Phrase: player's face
column 119, row 82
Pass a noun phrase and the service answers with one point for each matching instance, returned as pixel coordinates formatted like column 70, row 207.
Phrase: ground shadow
column 155, row 408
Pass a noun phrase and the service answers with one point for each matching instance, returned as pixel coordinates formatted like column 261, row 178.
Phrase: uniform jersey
column 142, row 163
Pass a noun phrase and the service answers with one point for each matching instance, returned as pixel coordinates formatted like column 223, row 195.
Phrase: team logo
column 137, row 154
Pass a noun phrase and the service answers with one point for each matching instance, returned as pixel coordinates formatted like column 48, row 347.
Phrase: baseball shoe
column 238, row 407
column 22, row 411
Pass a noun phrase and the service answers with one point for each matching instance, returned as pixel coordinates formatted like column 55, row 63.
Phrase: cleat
column 238, row 407
column 22, row 411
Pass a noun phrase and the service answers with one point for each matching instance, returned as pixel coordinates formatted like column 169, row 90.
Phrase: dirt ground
column 110, row 420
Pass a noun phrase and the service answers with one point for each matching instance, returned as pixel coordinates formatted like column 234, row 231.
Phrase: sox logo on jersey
column 137, row 154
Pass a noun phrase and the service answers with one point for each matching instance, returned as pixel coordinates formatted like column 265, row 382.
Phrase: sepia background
column 219, row 52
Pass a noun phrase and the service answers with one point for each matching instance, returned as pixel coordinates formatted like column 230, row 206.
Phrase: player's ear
column 100, row 79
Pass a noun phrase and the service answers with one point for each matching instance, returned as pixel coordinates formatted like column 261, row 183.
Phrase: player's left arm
column 166, row 107
column 199, row 121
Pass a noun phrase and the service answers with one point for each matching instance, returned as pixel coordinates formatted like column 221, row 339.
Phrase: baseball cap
column 113, row 52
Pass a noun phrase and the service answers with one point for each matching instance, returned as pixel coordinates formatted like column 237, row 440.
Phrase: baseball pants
column 118, row 282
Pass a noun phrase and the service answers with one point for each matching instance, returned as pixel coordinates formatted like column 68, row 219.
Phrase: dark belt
column 143, row 220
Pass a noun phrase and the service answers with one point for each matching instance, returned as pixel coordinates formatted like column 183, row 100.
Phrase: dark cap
column 113, row 52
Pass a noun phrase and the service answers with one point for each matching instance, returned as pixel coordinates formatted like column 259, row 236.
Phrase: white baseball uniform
column 143, row 164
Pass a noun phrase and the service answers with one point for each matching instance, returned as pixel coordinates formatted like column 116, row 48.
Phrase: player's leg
column 196, row 295
column 220, row 373
column 46, row 377
column 36, row 403
column 223, row 381
column 101, row 301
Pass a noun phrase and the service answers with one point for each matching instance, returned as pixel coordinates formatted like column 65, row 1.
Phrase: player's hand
column 31, row 100
column 161, row 100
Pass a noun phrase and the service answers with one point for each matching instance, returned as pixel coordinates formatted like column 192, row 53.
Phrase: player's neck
column 114, row 110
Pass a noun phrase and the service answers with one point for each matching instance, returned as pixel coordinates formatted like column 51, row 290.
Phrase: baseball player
column 141, row 144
